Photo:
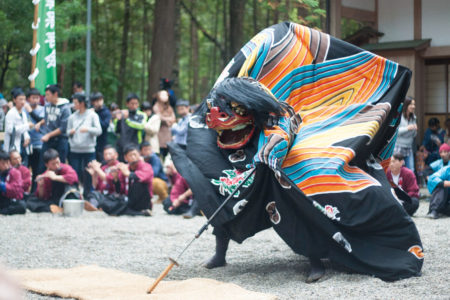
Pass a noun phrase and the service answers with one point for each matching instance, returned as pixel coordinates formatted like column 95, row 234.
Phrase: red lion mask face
column 235, row 130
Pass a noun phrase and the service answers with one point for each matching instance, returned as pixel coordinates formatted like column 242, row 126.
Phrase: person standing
column 130, row 125
column 180, row 129
column 407, row 131
column 165, row 112
column 54, row 124
column 16, row 124
column 104, row 116
column 36, row 113
column 152, row 127
column 83, row 128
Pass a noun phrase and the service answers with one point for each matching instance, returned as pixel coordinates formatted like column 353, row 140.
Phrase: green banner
column 46, row 55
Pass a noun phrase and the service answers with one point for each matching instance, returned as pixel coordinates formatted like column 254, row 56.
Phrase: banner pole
column 35, row 25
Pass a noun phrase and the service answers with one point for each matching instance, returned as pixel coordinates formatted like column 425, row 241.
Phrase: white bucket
column 73, row 207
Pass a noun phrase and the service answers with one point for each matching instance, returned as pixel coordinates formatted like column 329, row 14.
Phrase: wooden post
column 33, row 58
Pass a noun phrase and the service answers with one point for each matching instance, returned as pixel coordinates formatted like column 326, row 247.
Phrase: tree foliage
column 202, row 41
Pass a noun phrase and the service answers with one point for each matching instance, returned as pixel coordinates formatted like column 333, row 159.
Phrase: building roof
column 398, row 45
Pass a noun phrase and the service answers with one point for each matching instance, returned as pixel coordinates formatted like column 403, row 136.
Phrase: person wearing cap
column 104, row 116
column 83, row 128
column 401, row 177
column 438, row 186
column 444, row 152
column 179, row 130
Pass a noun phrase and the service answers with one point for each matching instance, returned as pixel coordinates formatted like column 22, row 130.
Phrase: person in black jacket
column 105, row 117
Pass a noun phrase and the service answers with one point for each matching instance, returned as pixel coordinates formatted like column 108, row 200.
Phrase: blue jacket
column 438, row 178
column 158, row 170
column 438, row 164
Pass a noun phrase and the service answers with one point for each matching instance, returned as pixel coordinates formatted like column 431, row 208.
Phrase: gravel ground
column 263, row 263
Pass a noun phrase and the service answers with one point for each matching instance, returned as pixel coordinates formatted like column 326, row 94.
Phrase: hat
column 182, row 102
column 444, row 147
column 3, row 102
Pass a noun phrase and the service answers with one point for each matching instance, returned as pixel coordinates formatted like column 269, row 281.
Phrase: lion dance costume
column 317, row 118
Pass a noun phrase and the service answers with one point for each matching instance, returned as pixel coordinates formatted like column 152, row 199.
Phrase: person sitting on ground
column 107, row 179
column 180, row 129
column 433, row 139
column 160, row 179
column 180, row 201
column 11, row 188
column 438, row 186
column 139, row 189
column 16, row 162
column 52, row 184
column 401, row 177
column 444, row 152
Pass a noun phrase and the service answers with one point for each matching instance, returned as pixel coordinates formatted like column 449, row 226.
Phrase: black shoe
column 215, row 262
column 193, row 211
column 433, row 214
column 317, row 270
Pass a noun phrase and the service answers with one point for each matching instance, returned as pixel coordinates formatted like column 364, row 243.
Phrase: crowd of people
column 115, row 159
column 119, row 159
column 428, row 164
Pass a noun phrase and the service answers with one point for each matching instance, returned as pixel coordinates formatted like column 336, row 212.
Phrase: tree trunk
column 163, row 44
column 226, row 30
column 194, row 57
column 255, row 17
column 237, row 12
column 124, row 50
column 5, row 65
column 145, row 30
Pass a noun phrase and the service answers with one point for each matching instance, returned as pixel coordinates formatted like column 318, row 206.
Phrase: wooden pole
column 33, row 58
column 162, row 275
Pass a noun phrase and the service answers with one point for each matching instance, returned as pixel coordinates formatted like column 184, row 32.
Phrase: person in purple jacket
column 52, row 184
column 403, row 178
column 11, row 190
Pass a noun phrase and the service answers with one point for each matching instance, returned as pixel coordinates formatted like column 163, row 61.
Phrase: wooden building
column 414, row 33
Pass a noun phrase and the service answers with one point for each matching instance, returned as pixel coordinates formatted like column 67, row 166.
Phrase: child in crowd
column 11, row 188
column 403, row 178
column 16, row 162
column 160, row 179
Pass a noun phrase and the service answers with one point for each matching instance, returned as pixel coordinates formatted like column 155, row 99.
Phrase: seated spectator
column 11, row 188
column 180, row 129
column 134, row 199
column 401, row 177
column 433, row 139
column 444, row 152
column 83, row 128
column 52, row 184
column 160, row 179
column 16, row 162
column 180, row 200
column 438, row 186
column 130, row 125
column 152, row 127
column 421, row 167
